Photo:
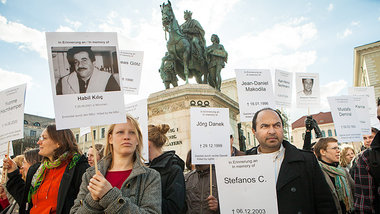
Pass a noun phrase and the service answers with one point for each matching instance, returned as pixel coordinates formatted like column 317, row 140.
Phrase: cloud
column 330, row 89
column 344, row 34
column 24, row 37
column 282, row 46
column 9, row 79
column 3, row 1
column 330, row 7
column 64, row 29
column 378, row 18
column 355, row 23
column 74, row 24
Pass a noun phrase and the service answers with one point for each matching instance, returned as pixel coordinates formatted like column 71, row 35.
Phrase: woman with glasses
column 123, row 184
column 50, row 186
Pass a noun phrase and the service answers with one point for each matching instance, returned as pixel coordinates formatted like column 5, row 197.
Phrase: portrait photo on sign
column 85, row 69
column 307, row 86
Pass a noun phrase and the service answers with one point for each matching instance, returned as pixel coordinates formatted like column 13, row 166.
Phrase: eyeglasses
column 41, row 138
column 81, row 61
column 334, row 148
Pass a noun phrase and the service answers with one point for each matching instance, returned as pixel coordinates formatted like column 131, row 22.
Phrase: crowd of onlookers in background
column 323, row 177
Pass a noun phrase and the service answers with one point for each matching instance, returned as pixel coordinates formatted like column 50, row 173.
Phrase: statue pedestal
column 172, row 107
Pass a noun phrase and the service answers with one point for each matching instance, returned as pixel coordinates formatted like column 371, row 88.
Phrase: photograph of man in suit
column 85, row 77
column 307, row 86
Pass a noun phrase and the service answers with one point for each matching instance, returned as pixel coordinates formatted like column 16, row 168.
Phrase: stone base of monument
column 172, row 107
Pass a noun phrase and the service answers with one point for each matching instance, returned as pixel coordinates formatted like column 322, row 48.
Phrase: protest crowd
column 58, row 178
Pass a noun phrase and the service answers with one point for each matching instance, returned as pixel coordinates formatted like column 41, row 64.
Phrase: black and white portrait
column 85, row 69
column 307, row 84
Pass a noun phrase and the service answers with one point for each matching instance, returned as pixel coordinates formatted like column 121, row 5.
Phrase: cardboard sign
column 209, row 134
column 346, row 122
column 4, row 150
column 368, row 92
column 84, row 130
column 130, row 70
column 84, row 71
column 139, row 111
column 239, row 177
column 12, row 113
column 307, row 88
column 283, row 88
column 361, row 107
column 255, row 91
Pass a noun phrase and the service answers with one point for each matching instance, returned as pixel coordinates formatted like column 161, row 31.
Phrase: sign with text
column 345, row 118
column 239, row 177
column 4, row 150
column 255, row 91
column 283, row 88
column 130, row 70
column 307, row 88
column 209, row 134
column 84, row 72
column 12, row 113
column 139, row 111
column 361, row 107
column 368, row 92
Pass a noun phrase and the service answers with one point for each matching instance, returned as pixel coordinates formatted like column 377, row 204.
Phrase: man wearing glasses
column 340, row 182
column 84, row 76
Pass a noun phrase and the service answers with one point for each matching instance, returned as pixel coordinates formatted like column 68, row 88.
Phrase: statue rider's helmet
column 187, row 14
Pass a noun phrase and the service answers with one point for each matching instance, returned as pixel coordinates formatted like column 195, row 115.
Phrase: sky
column 297, row 36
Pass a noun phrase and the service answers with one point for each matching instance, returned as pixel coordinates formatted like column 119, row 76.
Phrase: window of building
column 249, row 138
column 323, row 134
column 94, row 134
column 77, row 137
column 103, row 132
column 33, row 133
column 335, row 132
column 26, row 122
column 329, row 132
column 85, row 137
column 36, row 124
column 303, row 136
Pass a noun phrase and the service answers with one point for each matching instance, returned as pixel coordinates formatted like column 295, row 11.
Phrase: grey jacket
column 140, row 192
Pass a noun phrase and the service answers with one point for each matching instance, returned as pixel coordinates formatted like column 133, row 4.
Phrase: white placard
column 307, row 88
column 345, row 118
column 255, row 91
column 239, row 177
column 4, row 150
column 139, row 111
column 361, row 106
column 84, row 130
column 84, row 71
column 209, row 134
column 130, row 70
column 12, row 113
column 368, row 92
column 283, row 88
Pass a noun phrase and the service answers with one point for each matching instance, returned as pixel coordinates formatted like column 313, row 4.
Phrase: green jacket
column 140, row 192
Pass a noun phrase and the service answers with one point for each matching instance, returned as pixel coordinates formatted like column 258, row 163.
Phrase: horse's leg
column 186, row 57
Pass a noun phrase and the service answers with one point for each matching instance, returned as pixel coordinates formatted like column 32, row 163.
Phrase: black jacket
column 68, row 188
column 301, row 186
column 170, row 167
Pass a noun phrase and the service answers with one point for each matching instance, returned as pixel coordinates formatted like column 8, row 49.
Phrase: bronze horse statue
column 179, row 49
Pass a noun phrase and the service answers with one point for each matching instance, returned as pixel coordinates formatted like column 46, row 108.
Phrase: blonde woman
column 123, row 184
column 346, row 157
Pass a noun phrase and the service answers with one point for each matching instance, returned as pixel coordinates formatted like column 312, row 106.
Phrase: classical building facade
column 367, row 66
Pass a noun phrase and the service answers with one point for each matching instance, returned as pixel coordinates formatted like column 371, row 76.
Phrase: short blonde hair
column 108, row 150
column 343, row 153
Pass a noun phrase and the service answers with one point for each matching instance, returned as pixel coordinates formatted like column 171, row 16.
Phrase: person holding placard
column 235, row 151
column 170, row 166
column 85, row 77
column 367, row 188
column 340, row 182
column 367, row 139
column 198, row 196
column 300, row 185
column 52, row 186
column 123, row 184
